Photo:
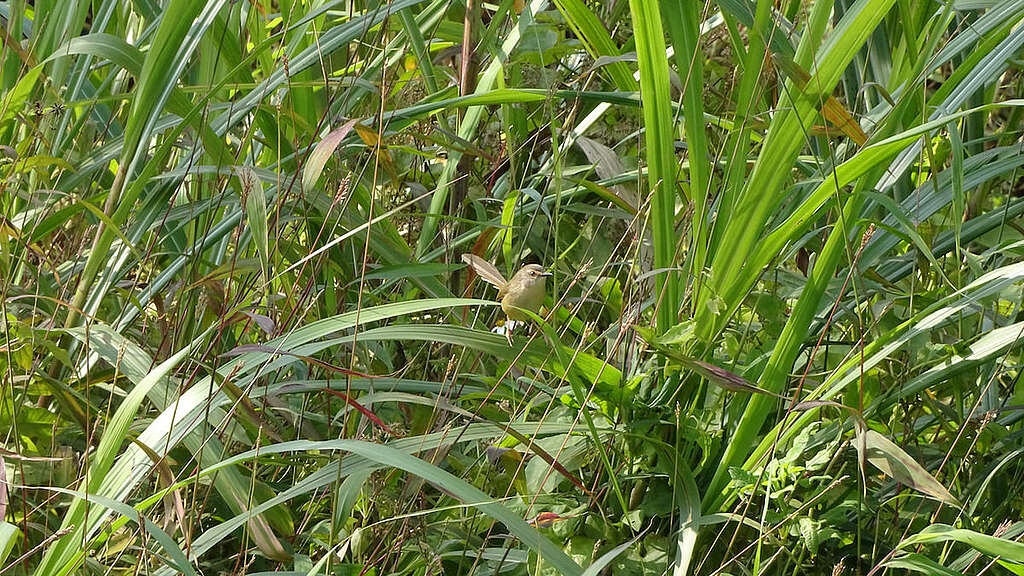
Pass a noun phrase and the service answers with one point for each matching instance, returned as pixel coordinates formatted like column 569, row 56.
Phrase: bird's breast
column 527, row 297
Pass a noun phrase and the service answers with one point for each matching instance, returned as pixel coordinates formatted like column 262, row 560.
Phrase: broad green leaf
column 14, row 101
column 1007, row 550
column 690, row 519
column 255, row 202
column 104, row 46
column 9, row 536
column 599, row 44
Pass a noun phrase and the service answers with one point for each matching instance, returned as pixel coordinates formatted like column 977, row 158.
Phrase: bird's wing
column 485, row 269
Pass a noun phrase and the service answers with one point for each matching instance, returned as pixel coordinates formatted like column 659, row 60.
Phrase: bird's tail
column 485, row 270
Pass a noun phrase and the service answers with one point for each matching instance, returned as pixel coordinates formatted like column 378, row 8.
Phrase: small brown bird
column 524, row 291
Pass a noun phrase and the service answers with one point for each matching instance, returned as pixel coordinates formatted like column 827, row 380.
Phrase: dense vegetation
column 781, row 334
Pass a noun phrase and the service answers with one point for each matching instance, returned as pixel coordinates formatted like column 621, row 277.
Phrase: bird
column 525, row 291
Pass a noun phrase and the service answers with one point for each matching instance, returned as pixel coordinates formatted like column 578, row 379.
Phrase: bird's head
column 533, row 273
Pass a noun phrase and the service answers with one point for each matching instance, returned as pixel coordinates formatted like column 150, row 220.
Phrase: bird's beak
column 545, row 273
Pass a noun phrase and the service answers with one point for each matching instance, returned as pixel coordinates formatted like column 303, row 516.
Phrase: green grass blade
column 660, row 153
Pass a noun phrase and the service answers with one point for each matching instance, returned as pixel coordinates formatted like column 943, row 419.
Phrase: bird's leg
column 509, row 326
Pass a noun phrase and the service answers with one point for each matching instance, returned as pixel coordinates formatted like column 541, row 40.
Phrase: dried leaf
column 318, row 157
column 832, row 110
column 174, row 506
column 264, row 322
column 894, row 462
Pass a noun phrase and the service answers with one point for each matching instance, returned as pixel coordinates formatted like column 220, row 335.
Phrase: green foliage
column 782, row 334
